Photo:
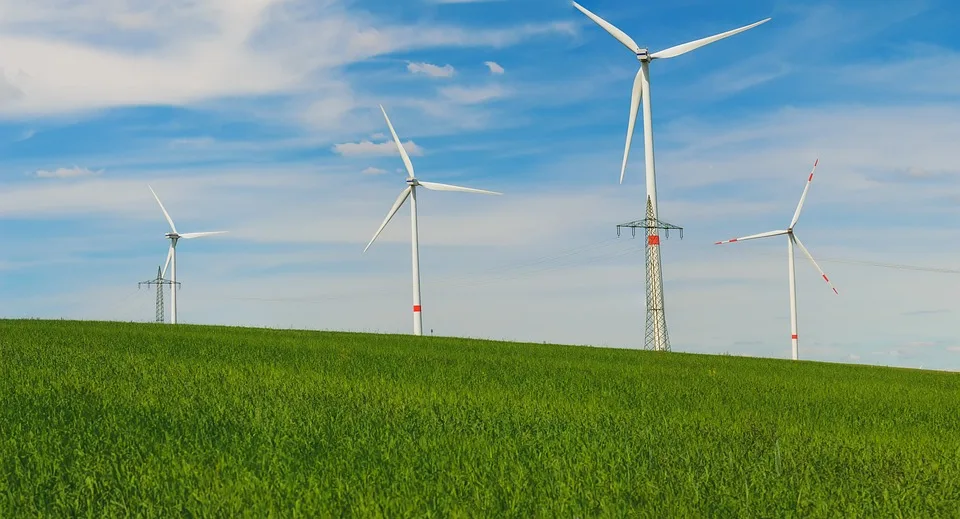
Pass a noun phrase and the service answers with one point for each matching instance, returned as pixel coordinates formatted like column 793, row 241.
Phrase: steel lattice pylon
column 160, row 282
column 655, row 336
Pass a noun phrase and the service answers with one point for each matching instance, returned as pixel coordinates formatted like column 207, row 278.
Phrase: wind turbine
column 641, row 89
column 174, row 236
column 411, row 192
column 656, row 335
column 791, row 240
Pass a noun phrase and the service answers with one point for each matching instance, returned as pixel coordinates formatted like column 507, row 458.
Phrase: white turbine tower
column 791, row 240
column 656, row 318
column 411, row 192
column 172, row 254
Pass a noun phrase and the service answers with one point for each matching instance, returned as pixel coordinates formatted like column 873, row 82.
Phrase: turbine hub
column 172, row 235
column 643, row 55
column 412, row 182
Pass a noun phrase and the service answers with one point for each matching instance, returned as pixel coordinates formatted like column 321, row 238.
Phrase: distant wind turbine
column 791, row 240
column 172, row 254
column 411, row 192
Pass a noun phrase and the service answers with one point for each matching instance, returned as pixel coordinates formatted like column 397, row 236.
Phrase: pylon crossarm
column 650, row 223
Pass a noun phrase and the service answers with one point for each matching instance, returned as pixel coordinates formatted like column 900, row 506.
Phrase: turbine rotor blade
column 447, row 187
column 696, row 44
column 190, row 235
column 165, row 213
column 403, row 152
column 796, row 215
column 163, row 273
column 635, row 97
column 810, row 257
column 752, row 237
column 607, row 26
column 393, row 210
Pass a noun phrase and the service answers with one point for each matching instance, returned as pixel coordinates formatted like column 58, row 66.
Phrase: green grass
column 109, row 419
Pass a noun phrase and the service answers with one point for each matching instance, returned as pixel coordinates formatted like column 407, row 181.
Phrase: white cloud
column 430, row 69
column 473, row 95
column 120, row 54
column 73, row 172
column 365, row 147
column 494, row 67
column 373, row 171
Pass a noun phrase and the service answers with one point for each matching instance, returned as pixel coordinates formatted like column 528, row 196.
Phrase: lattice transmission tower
column 160, row 282
column 655, row 334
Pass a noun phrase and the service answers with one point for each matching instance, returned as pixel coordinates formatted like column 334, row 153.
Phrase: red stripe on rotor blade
column 416, row 308
column 816, row 162
column 825, row 278
column 733, row 240
column 811, row 178
column 653, row 240
column 794, row 336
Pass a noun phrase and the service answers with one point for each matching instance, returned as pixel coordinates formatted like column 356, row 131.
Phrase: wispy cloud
column 430, row 69
column 473, row 95
column 351, row 149
column 73, row 172
column 26, row 135
column 373, row 171
column 195, row 52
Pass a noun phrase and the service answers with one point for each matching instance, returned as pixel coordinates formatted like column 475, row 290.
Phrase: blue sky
column 260, row 117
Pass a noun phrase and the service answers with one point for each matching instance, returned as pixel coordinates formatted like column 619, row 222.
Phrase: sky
column 261, row 117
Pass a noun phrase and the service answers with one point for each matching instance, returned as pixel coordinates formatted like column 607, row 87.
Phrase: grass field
column 108, row 419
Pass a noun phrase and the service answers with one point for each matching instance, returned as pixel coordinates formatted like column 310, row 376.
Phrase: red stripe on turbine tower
column 416, row 308
column 794, row 336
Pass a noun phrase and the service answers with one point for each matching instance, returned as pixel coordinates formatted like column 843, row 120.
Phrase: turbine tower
column 411, row 192
column 174, row 236
column 641, row 92
column 791, row 240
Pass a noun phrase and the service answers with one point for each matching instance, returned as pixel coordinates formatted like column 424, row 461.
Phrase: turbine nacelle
column 644, row 55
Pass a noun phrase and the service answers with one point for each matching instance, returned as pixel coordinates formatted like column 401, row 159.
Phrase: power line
column 594, row 253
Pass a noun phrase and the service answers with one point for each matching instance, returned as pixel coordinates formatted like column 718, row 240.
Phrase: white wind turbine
column 411, row 192
column 791, row 240
column 656, row 318
column 172, row 254
column 641, row 90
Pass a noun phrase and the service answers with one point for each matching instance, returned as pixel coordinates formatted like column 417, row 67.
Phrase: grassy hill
column 113, row 419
